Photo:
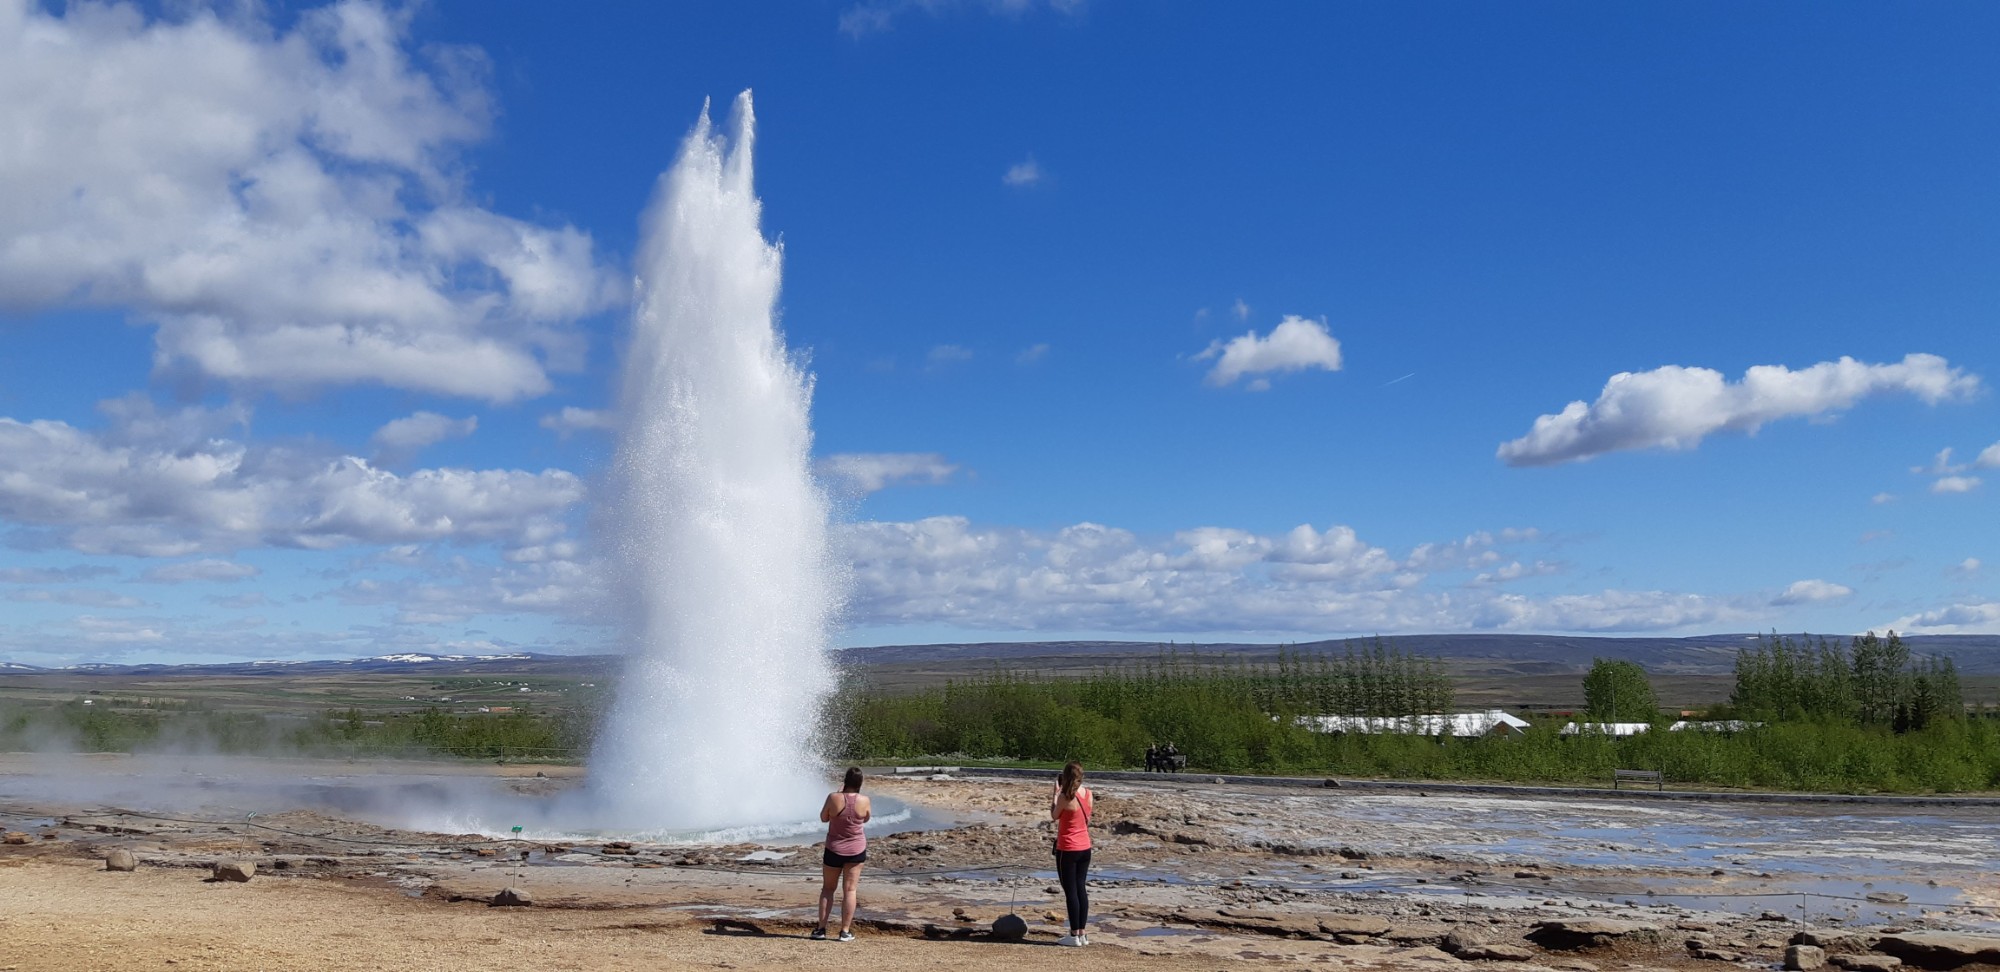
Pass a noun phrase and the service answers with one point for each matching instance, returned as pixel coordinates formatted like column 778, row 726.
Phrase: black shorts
column 831, row 859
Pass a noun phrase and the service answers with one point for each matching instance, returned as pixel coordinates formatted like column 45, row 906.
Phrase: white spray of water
column 715, row 524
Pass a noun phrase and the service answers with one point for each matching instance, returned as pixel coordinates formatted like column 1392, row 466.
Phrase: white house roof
column 1606, row 728
column 1487, row 723
column 1635, row 728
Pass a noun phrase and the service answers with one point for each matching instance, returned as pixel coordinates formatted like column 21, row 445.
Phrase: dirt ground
column 1188, row 875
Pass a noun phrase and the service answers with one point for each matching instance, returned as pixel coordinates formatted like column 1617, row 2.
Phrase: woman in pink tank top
column 846, row 849
column 1070, row 805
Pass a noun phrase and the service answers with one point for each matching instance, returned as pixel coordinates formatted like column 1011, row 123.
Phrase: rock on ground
column 1497, row 952
column 511, row 898
column 1867, row 963
column 1461, row 939
column 238, row 871
column 1570, row 934
column 1804, row 958
column 1941, row 950
column 1368, row 925
column 120, row 859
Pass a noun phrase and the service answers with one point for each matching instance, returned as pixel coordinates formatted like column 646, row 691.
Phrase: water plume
column 714, row 523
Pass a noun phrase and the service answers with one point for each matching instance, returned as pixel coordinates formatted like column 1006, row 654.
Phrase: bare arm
column 828, row 808
column 863, row 809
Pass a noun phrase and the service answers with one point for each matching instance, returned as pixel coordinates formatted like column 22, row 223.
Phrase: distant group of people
column 1164, row 759
column 846, row 811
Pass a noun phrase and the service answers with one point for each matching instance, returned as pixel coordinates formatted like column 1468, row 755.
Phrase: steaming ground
column 1187, row 872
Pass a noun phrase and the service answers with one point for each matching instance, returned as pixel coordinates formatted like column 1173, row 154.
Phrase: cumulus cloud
column 1812, row 592
column 115, row 492
column 208, row 569
column 1240, row 310
column 1989, row 457
column 1976, row 617
column 879, row 16
column 946, row 570
column 1966, row 567
column 288, row 206
column 870, row 472
column 402, row 438
column 1955, row 484
column 572, row 420
column 1675, row 407
column 1294, row 345
column 1023, row 174
column 1880, row 499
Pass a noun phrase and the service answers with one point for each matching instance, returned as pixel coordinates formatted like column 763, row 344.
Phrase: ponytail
column 1072, row 779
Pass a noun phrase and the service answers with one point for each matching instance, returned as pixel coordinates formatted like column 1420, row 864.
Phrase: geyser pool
column 714, row 524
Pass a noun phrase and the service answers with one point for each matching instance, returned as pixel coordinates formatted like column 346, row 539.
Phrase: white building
column 1634, row 728
column 1492, row 722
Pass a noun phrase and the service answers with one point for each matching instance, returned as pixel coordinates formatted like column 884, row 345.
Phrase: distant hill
column 1471, row 654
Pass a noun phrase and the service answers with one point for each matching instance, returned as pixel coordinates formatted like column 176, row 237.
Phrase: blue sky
column 1132, row 320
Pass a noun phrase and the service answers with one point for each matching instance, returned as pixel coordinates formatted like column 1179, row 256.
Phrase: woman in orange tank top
column 1070, row 804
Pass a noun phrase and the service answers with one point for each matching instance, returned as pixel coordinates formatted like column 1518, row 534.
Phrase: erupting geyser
column 714, row 522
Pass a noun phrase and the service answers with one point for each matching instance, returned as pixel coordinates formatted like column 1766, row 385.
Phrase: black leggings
column 1071, row 868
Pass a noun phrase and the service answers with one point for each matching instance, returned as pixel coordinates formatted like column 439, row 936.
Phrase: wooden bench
column 1638, row 776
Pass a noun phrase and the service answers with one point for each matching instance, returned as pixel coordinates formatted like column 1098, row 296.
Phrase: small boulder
column 1497, row 952
column 1368, row 925
column 237, row 871
column 1461, row 939
column 1717, row 955
column 1888, row 897
column 120, row 859
column 1804, row 958
column 511, row 898
column 16, row 837
column 1866, row 963
column 1574, row 933
column 1941, row 950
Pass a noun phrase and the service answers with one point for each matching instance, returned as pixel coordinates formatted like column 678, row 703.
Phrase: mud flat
column 1187, row 873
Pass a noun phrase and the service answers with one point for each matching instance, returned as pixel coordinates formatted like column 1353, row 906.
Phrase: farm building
column 1635, row 728
column 1492, row 722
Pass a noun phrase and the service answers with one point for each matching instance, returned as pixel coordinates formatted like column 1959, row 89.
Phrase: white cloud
column 1032, row 354
column 869, row 472
column 572, row 420
column 1089, row 577
column 120, row 492
column 1516, row 571
column 1294, row 345
column 1968, row 566
column 209, row 569
column 1978, row 617
column 1023, row 174
column 1675, row 407
column 946, row 355
column 53, row 575
column 1955, row 484
column 879, row 16
column 289, row 206
column 1812, row 592
column 1989, row 457
column 1941, row 465
column 76, row 596
column 1880, row 499
column 1240, row 310
column 404, row 437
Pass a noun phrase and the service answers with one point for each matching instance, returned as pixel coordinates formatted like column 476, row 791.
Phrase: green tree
column 1619, row 691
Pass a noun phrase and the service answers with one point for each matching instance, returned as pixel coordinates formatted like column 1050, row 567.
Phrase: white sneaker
column 1083, row 939
column 1068, row 940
